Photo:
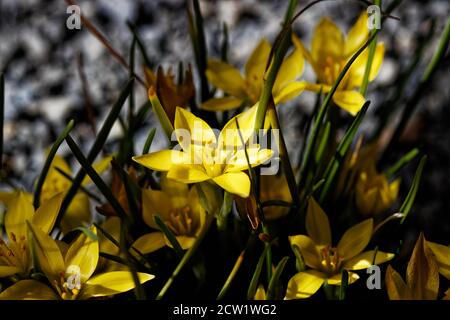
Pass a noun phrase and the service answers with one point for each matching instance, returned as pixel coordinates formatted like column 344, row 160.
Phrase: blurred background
column 44, row 63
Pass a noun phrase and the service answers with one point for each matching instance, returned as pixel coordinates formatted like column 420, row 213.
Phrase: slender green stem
column 2, row 115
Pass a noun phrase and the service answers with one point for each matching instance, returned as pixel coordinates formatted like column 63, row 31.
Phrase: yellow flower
column 247, row 89
column 205, row 157
column 15, row 253
column 326, row 261
column 179, row 208
column 78, row 211
column 71, row 276
column 422, row 277
column 260, row 293
column 442, row 255
column 373, row 193
column 331, row 50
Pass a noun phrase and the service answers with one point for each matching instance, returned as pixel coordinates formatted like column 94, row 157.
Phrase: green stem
column 231, row 276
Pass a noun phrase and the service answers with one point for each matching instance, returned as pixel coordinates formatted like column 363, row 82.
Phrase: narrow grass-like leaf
column 231, row 276
column 186, row 258
column 48, row 162
column 371, row 55
column 344, row 145
column 87, row 232
column 140, row 44
column 274, row 282
column 148, row 141
column 402, row 162
column 299, row 263
column 101, row 185
column 96, row 148
column 323, row 142
column 256, row 275
column 344, row 285
column 82, row 188
column 169, row 235
column 409, row 200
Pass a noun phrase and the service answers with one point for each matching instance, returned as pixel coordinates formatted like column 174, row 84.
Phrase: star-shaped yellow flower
column 71, row 275
column 204, row 157
column 326, row 261
column 331, row 50
column 247, row 88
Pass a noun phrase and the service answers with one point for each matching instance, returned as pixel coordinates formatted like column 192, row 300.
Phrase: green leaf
column 231, row 276
column 256, row 275
column 323, row 142
column 407, row 158
column 102, row 135
column 274, row 282
column 344, row 145
column 140, row 44
column 409, row 200
column 169, row 235
column 2, row 115
column 299, row 263
column 101, row 185
column 48, row 162
column 148, row 141
column 87, row 232
column 344, row 285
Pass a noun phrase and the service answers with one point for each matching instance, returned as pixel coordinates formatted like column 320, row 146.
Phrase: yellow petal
column 304, row 284
column 48, row 254
column 184, row 241
column 305, row 52
column 112, row 227
column 155, row 202
column 317, row 224
column 355, row 239
column 328, row 41
column 308, row 249
column 225, row 77
column 6, row 271
column 111, row 283
column 190, row 129
column 350, row 101
column 234, row 182
column 364, row 260
column 255, row 157
column 336, row 279
column 422, row 273
column 78, row 214
column 99, row 167
column 177, row 191
column 83, row 253
column 46, row 214
column 442, row 255
column 256, row 64
column 149, row 242
column 357, row 35
column 358, row 68
column 160, row 160
column 231, row 136
column 28, row 290
column 290, row 70
column 260, row 293
column 20, row 210
column 222, row 104
column 395, row 286
column 188, row 173
column 289, row 91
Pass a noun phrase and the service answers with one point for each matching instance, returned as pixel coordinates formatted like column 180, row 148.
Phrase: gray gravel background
column 43, row 89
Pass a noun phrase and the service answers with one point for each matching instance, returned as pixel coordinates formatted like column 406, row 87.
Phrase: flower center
column 331, row 261
column 69, row 284
column 180, row 221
